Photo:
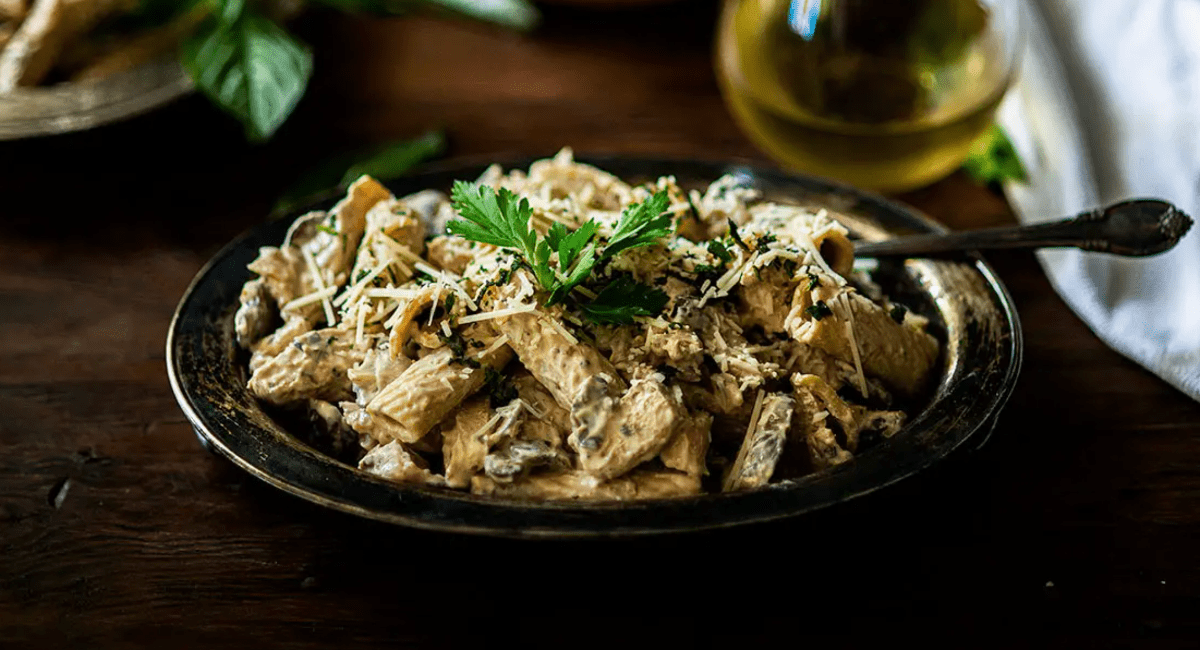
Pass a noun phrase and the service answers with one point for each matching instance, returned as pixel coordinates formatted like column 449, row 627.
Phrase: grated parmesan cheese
column 532, row 411
column 320, row 281
column 496, row 345
column 391, row 292
column 487, row 426
column 854, row 350
column 563, row 331
column 353, row 292
column 498, row 313
column 437, row 297
column 754, row 414
column 316, row 296
column 362, row 317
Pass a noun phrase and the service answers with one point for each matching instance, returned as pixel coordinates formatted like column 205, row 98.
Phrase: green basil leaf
column 251, row 68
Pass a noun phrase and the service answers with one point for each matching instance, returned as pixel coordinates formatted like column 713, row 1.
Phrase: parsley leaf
column 569, row 245
column 993, row 159
column 642, row 224
column 500, row 219
column 623, row 299
column 581, row 271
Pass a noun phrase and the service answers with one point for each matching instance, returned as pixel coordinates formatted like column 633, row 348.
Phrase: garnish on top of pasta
column 561, row 334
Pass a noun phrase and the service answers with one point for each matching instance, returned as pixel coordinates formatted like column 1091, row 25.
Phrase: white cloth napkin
column 1107, row 107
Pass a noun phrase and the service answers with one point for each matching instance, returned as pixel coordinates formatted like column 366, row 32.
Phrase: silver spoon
column 1137, row 228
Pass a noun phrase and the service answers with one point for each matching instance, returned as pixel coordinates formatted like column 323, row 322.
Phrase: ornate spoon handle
column 1136, row 228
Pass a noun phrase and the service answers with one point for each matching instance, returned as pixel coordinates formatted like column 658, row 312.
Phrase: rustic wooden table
column 1078, row 523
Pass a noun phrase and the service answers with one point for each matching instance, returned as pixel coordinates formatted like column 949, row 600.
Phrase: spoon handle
column 1135, row 228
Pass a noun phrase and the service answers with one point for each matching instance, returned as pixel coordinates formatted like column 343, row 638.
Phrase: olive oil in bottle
column 883, row 94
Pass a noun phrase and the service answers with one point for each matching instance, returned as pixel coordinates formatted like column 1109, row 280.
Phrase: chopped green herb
column 458, row 347
column 819, row 310
column 499, row 389
column 719, row 250
column 737, row 237
column 813, row 281
column 327, row 230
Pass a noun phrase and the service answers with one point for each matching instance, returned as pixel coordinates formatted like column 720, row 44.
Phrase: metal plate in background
column 67, row 107
column 969, row 309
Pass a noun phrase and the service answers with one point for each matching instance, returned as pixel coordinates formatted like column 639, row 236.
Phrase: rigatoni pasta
column 557, row 333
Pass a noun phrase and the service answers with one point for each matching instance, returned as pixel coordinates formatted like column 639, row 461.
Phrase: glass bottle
column 884, row 94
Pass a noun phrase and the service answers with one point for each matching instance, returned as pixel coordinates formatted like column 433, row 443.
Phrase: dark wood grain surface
column 1078, row 525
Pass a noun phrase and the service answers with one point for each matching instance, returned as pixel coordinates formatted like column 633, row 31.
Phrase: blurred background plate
column 67, row 107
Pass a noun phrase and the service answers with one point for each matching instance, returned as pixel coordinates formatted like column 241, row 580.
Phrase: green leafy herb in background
column 246, row 62
column 249, row 66
column 384, row 163
column 993, row 159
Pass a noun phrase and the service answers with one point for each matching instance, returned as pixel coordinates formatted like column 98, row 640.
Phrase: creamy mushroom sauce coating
column 441, row 358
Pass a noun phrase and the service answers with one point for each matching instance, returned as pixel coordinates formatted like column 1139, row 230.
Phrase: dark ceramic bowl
column 968, row 307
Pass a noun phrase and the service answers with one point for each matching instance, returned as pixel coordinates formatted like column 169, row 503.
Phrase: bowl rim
column 295, row 468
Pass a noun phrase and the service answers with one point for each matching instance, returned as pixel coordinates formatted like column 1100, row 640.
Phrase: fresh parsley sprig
column 501, row 219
